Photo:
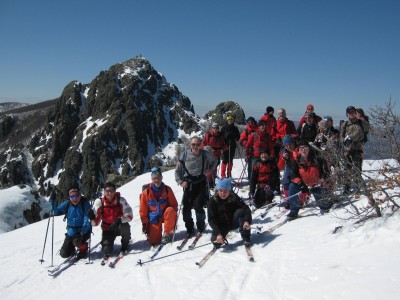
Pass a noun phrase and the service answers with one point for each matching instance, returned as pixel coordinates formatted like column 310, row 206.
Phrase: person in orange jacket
column 158, row 205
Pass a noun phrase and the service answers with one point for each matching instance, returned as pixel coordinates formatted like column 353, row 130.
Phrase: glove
column 145, row 228
column 91, row 215
column 347, row 141
column 303, row 187
column 114, row 226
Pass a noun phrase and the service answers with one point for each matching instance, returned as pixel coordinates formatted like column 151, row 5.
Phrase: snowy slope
column 300, row 260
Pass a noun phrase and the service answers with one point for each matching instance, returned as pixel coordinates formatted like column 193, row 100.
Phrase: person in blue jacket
column 78, row 224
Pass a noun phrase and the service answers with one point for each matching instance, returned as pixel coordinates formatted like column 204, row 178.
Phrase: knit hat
column 250, row 119
column 224, row 184
column 262, row 123
column 328, row 118
column 309, row 114
column 350, row 109
column 156, row 171
column 269, row 109
column 214, row 125
column 323, row 124
column 287, row 139
column 264, row 151
column 310, row 106
column 303, row 143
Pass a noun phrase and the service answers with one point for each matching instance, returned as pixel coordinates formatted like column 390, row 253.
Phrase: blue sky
column 259, row 53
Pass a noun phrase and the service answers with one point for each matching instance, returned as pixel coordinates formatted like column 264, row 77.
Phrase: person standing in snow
column 78, row 224
column 309, row 109
column 158, row 205
column 215, row 140
column 114, row 213
column 191, row 173
column 353, row 135
column 226, row 212
column 231, row 135
column 251, row 127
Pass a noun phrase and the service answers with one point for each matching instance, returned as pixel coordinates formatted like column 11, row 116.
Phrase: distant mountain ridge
column 6, row 106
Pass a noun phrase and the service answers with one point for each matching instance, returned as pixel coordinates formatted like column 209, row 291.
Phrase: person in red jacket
column 265, row 177
column 270, row 120
column 286, row 156
column 114, row 213
column 259, row 140
column 251, row 127
column 283, row 127
column 158, row 205
column 309, row 174
column 216, row 141
column 309, row 109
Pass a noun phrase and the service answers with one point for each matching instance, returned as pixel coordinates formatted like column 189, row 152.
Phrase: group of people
column 271, row 146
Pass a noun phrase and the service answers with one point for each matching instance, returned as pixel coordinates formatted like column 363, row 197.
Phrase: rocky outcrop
column 109, row 127
column 219, row 114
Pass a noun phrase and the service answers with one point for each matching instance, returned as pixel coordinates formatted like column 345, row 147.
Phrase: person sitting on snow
column 78, row 224
column 115, row 214
column 158, row 205
column 226, row 212
column 309, row 171
column 265, row 177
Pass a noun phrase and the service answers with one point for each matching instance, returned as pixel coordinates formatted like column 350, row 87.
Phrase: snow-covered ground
column 301, row 260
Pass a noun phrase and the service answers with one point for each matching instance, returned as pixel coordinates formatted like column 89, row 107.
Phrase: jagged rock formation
column 110, row 127
column 219, row 114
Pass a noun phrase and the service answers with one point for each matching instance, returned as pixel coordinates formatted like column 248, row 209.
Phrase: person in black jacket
column 227, row 212
column 231, row 136
column 309, row 130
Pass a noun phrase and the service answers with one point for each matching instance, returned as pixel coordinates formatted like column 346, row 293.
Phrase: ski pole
column 90, row 237
column 45, row 239
column 52, row 238
column 177, row 218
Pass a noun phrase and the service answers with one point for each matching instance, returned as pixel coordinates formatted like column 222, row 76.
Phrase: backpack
column 359, row 122
column 82, row 202
column 182, row 161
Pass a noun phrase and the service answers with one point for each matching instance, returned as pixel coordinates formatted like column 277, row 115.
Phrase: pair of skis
column 68, row 262
column 203, row 261
column 193, row 244
column 112, row 264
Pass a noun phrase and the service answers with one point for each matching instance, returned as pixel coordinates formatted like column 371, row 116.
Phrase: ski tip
column 251, row 259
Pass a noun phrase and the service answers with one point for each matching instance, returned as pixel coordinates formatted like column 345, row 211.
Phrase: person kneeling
column 227, row 212
column 265, row 177
column 158, row 205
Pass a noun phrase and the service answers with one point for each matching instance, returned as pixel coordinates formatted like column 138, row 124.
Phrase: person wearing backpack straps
column 192, row 170
column 78, row 225
column 353, row 134
column 158, row 205
column 114, row 213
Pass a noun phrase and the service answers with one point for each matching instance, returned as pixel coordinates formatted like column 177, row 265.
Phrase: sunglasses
column 110, row 191
column 74, row 196
column 195, row 145
column 304, row 148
